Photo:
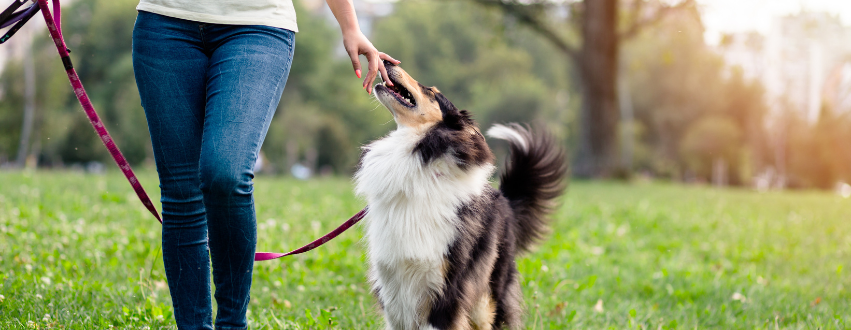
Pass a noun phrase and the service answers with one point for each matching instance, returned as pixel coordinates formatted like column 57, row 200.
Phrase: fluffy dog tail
column 535, row 175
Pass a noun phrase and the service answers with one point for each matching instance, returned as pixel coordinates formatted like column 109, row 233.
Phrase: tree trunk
column 627, row 113
column 598, row 61
column 29, row 109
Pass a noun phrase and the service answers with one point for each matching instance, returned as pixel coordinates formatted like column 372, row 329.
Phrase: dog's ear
column 452, row 117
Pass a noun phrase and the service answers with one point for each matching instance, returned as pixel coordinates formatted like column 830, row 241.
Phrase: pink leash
column 56, row 34
column 54, row 25
column 260, row 256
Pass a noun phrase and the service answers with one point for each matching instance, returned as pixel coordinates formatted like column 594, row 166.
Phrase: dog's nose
column 388, row 63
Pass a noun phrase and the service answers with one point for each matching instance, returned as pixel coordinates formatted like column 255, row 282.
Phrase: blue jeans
column 209, row 92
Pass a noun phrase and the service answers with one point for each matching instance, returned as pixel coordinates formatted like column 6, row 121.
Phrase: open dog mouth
column 399, row 92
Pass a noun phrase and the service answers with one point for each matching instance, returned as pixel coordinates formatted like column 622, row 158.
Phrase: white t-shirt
column 277, row 13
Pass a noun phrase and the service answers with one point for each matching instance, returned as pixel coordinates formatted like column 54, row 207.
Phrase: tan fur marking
column 424, row 308
column 474, row 131
column 462, row 324
column 425, row 114
column 483, row 313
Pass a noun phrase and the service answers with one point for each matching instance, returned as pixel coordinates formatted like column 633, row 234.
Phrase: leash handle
column 21, row 18
column 11, row 9
column 9, row 16
column 54, row 26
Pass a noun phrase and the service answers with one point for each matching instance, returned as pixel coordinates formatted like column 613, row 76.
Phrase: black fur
column 495, row 227
column 531, row 181
column 482, row 228
column 455, row 134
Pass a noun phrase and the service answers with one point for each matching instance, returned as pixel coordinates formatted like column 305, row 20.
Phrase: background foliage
column 690, row 109
column 323, row 117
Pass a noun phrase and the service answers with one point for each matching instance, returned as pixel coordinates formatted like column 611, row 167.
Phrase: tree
column 29, row 111
column 710, row 140
column 595, row 56
column 816, row 154
column 676, row 82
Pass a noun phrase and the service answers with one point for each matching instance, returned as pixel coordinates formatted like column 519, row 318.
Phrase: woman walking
column 210, row 75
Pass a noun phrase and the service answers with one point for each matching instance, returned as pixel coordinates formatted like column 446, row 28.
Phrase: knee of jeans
column 181, row 195
column 218, row 180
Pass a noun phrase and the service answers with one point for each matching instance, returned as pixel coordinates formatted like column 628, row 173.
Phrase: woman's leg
column 171, row 72
column 247, row 72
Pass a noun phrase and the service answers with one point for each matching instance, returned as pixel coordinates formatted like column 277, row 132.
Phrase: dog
column 441, row 241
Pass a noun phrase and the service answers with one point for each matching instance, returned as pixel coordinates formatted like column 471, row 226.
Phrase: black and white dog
column 441, row 240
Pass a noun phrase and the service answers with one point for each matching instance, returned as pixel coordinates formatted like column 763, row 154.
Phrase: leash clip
column 66, row 62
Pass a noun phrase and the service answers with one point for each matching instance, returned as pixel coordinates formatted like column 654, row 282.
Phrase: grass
column 78, row 251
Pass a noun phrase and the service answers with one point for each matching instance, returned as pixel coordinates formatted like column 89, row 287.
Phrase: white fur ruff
column 411, row 221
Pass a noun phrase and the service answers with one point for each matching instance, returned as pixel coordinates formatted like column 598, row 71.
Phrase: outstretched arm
column 356, row 43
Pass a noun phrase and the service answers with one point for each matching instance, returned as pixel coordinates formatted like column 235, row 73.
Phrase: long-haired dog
column 441, row 240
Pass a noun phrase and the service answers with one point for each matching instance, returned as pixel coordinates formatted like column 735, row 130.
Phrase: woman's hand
column 357, row 44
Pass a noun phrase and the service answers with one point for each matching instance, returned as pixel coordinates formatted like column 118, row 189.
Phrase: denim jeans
column 209, row 92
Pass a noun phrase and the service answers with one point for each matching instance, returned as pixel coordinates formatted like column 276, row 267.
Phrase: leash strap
column 262, row 256
column 54, row 26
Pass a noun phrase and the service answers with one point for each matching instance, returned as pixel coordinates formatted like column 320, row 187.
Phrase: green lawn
column 80, row 252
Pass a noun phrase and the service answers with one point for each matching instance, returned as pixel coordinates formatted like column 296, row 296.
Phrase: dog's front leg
column 449, row 310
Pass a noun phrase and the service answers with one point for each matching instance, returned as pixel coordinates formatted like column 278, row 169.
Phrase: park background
column 657, row 101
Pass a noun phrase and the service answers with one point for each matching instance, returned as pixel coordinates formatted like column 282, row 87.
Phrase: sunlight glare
column 730, row 16
column 845, row 190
